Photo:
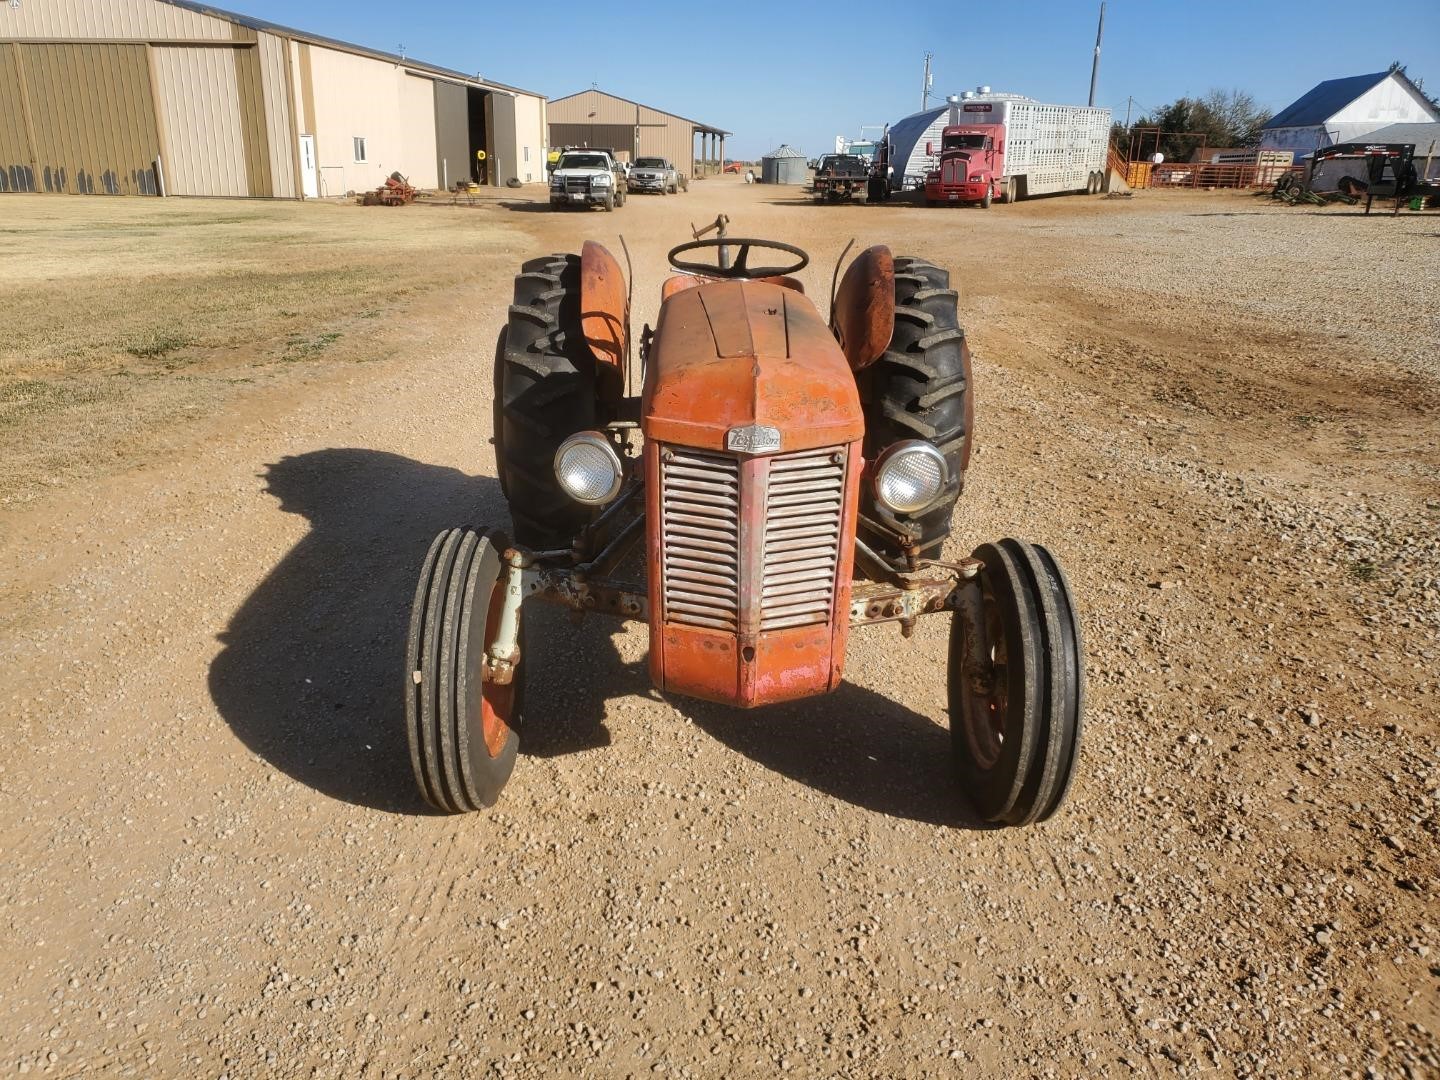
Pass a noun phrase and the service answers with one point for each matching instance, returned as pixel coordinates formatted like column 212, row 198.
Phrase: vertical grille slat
column 700, row 538
column 802, row 538
column 700, row 546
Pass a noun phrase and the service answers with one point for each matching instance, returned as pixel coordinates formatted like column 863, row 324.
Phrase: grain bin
column 784, row 165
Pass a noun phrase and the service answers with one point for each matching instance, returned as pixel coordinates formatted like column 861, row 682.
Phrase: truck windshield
column 584, row 161
column 649, row 163
column 964, row 142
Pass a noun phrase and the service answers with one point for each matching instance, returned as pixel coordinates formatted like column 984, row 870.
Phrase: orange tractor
column 779, row 479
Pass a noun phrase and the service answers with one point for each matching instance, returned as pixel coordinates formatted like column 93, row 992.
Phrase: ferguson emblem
column 755, row 439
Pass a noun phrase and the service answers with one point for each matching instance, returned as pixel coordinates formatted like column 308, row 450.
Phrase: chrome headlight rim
column 905, row 448
column 597, row 441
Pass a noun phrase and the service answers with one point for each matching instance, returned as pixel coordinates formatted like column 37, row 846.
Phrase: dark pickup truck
column 839, row 178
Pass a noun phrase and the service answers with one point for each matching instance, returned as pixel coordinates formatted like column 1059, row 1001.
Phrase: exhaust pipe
column 954, row 103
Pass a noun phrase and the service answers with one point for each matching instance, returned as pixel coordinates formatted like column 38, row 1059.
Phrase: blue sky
column 802, row 73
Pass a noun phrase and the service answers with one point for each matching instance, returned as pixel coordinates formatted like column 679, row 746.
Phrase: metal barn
column 173, row 97
column 632, row 130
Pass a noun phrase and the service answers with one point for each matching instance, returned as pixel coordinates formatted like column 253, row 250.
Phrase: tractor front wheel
column 461, row 724
column 1016, row 684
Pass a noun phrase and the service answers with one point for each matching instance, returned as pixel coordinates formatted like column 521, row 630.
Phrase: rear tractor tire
column 460, row 727
column 1016, row 685
column 918, row 389
column 545, row 391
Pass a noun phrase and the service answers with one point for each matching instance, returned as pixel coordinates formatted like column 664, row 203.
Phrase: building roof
column 1422, row 135
column 784, row 150
column 1325, row 100
column 706, row 128
column 344, row 46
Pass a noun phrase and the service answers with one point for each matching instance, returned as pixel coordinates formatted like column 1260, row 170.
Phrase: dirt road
column 216, row 864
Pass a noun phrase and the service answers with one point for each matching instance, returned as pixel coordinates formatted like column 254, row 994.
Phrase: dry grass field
column 124, row 317
column 229, row 431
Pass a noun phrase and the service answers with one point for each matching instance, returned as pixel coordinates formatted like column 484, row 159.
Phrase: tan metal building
column 595, row 118
column 146, row 97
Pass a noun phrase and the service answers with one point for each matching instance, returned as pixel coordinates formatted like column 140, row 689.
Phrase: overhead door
column 81, row 119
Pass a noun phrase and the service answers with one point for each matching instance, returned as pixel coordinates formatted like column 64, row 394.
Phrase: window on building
column 360, row 149
column 527, row 153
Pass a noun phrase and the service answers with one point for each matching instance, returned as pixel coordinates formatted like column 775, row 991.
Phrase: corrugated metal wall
column 135, row 19
column 619, row 137
column 199, row 89
column 283, row 139
column 17, row 166
column 417, row 126
column 92, row 117
column 601, row 119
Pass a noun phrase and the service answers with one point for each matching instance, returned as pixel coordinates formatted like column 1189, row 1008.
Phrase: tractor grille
column 700, row 508
column 802, row 538
column 700, row 538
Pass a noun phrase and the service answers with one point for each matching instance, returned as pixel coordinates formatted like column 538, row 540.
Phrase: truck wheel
column 918, row 389
column 985, row 202
column 546, row 389
column 1016, row 685
column 461, row 729
column 609, row 203
column 620, row 195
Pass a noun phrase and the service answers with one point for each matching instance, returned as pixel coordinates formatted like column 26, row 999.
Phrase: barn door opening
column 480, row 149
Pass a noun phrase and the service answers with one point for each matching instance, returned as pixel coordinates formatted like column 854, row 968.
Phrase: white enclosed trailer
column 1047, row 148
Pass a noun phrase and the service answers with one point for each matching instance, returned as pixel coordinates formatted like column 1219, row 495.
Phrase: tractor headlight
column 588, row 468
column 977, row 178
column 910, row 475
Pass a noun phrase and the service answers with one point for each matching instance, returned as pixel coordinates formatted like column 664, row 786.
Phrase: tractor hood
column 733, row 355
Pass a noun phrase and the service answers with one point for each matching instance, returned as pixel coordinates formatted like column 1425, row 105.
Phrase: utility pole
column 1095, row 67
column 1129, row 101
column 925, row 87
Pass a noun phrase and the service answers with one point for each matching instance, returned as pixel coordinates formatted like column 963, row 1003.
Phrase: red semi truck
column 1010, row 149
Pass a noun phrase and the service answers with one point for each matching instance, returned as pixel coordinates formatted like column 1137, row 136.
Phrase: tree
column 1222, row 118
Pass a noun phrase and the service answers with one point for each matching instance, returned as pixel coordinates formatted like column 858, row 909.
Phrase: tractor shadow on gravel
column 854, row 745
column 310, row 674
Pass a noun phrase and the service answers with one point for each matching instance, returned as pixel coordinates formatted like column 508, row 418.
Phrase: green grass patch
column 157, row 345
column 299, row 347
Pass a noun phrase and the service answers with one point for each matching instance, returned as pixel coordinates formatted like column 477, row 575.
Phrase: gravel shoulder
column 217, row 865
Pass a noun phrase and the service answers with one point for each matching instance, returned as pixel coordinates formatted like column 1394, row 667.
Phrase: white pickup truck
column 587, row 177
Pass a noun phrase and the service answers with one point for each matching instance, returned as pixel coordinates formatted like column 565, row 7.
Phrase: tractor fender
column 604, row 306
column 863, row 316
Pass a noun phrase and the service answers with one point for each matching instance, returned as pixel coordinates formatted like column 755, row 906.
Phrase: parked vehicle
column 656, row 174
column 777, row 481
column 1010, row 149
column 587, row 176
column 839, row 178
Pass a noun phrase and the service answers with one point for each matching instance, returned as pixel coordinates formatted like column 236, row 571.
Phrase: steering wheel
column 739, row 268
